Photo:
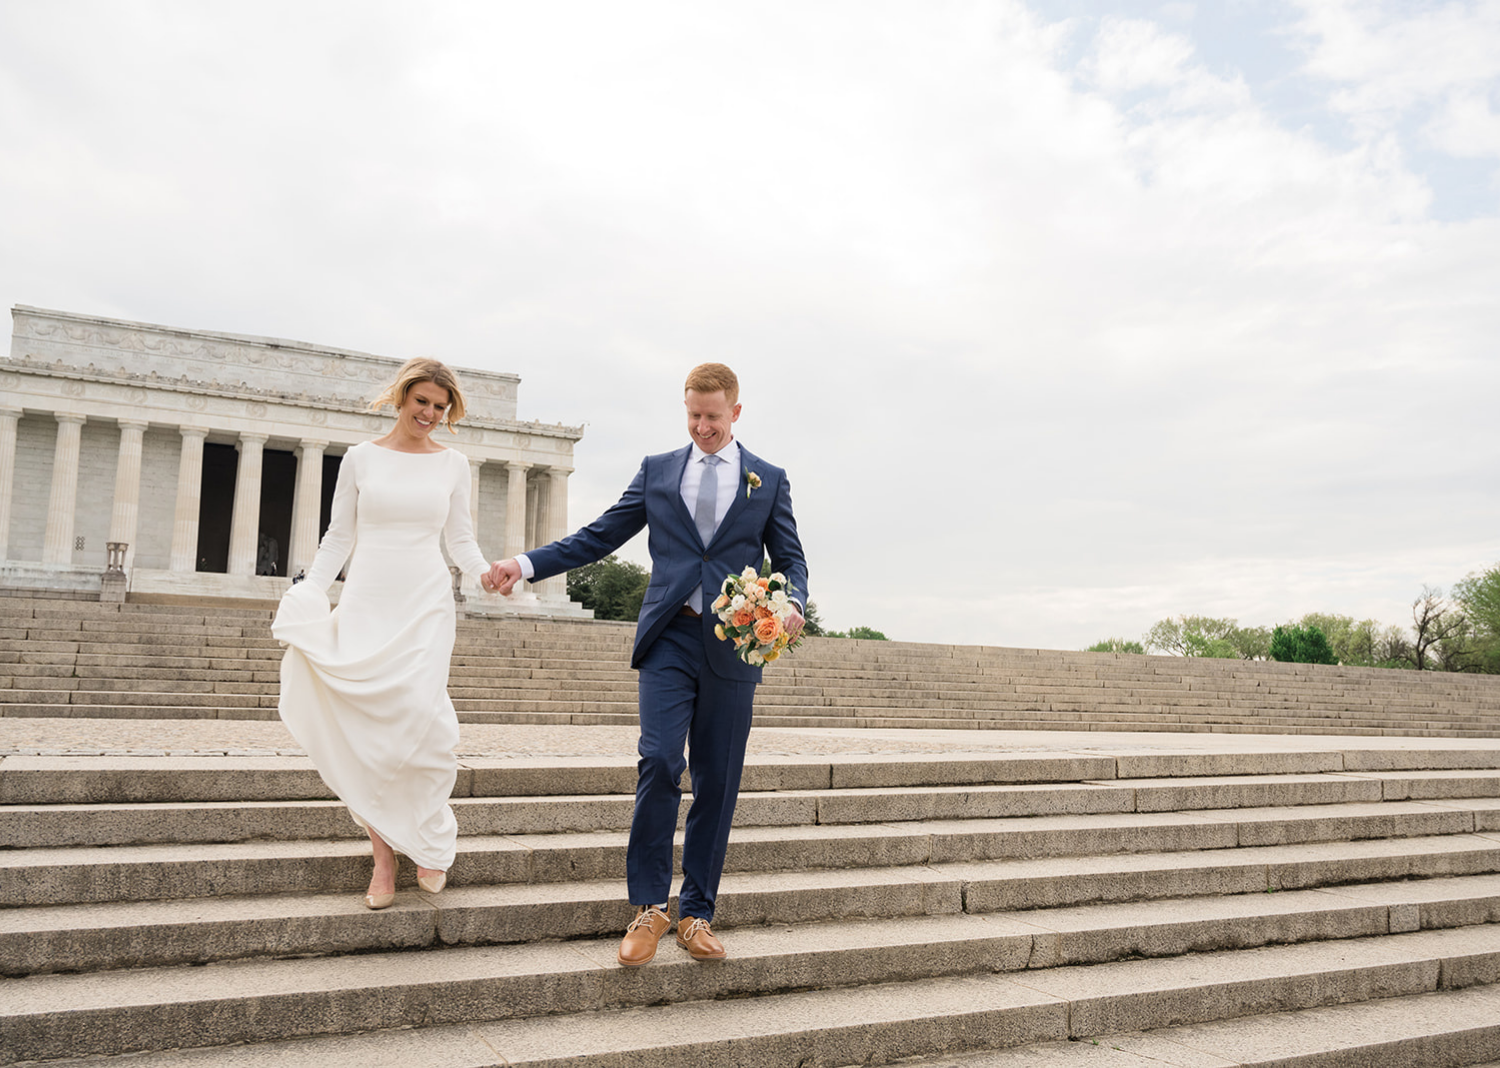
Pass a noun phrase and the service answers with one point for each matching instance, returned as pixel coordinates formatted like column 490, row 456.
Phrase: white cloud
column 1061, row 349
column 1437, row 63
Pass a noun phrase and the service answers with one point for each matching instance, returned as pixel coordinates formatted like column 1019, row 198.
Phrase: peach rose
column 768, row 629
column 762, row 582
column 744, row 617
column 762, row 612
column 721, row 602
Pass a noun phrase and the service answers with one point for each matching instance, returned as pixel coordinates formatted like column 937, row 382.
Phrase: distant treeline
column 1456, row 631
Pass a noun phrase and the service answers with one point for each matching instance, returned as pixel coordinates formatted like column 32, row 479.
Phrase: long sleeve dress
column 364, row 686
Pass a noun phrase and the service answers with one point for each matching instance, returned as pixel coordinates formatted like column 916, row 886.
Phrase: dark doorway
column 278, row 478
column 221, row 465
column 330, row 483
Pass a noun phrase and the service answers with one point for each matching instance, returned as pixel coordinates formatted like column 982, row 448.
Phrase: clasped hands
column 502, row 577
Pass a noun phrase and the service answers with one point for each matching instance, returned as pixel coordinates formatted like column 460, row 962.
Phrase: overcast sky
column 1063, row 317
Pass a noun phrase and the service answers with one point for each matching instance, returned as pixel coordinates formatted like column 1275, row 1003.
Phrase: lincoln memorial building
column 140, row 460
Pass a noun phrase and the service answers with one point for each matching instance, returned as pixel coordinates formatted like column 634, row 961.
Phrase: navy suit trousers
column 683, row 701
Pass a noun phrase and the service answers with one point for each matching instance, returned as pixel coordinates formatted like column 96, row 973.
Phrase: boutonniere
column 752, row 482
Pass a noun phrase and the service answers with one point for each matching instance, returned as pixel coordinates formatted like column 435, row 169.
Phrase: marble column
column 474, row 468
column 535, row 502
column 515, row 508
column 57, row 545
column 125, row 515
column 189, row 499
column 9, row 418
column 556, row 490
column 244, row 526
column 307, row 507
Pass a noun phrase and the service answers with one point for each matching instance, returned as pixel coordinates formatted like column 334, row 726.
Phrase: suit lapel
column 676, row 490
column 738, row 504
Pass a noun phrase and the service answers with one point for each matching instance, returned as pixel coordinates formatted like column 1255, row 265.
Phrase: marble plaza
column 138, row 459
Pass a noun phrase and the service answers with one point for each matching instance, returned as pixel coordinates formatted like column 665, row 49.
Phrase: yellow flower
column 772, row 655
column 719, row 631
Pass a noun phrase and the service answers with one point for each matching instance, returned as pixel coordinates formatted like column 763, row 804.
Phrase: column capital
column 7, row 412
column 313, row 443
column 559, row 472
column 199, row 432
column 252, row 438
column 70, row 417
column 133, row 424
column 517, row 465
column 476, row 461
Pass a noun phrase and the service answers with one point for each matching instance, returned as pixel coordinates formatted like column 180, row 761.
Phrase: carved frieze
column 313, row 375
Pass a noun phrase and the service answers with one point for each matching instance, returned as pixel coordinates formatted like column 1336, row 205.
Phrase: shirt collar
column 730, row 453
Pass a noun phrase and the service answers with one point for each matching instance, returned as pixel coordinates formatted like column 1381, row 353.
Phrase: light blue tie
column 708, row 499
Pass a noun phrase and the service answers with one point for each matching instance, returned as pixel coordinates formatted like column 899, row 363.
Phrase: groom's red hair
column 712, row 377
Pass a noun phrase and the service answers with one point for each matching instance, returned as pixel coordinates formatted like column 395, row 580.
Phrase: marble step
column 28, row 779
column 194, row 931
column 570, row 1003
column 1243, row 813
column 626, row 716
column 1445, row 1029
column 958, row 856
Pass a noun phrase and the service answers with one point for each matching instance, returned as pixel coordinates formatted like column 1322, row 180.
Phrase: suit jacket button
column 705, row 556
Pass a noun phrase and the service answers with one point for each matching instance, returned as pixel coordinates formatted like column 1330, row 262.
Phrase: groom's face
column 710, row 419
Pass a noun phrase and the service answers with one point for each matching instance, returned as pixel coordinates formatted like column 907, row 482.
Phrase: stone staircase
column 1313, row 907
column 75, row 658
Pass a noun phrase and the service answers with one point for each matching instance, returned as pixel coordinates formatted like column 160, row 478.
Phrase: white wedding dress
column 364, row 687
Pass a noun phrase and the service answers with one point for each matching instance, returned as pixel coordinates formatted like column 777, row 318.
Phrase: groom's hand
column 794, row 623
column 503, row 576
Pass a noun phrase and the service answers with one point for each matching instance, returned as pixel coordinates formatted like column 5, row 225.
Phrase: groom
column 713, row 509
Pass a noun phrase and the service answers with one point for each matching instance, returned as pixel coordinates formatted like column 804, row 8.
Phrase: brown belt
column 686, row 611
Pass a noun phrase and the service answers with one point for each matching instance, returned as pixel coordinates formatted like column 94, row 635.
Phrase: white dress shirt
column 728, row 476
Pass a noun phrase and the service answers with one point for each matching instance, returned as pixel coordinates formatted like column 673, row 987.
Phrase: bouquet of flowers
column 753, row 612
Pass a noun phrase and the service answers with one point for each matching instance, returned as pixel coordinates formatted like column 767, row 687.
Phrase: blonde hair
column 422, row 369
column 712, row 377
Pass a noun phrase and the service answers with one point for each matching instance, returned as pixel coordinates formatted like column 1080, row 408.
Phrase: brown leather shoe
column 639, row 944
column 694, row 935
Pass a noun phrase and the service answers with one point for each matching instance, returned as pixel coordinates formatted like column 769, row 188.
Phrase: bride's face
column 423, row 409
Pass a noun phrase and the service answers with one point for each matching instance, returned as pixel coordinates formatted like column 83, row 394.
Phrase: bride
column 364, row 687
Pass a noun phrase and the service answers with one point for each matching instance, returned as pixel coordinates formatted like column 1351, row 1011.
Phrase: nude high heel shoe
column 433, row 883
column 379, row 901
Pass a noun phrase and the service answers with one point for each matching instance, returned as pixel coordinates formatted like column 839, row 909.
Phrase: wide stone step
column 545, row 1004
column 98, row 937
column 959, row 855
column 1447, row 1029
column 1026, row 810
column 142, row 711
column 125, row 779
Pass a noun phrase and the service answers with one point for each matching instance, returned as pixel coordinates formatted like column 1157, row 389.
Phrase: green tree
column 1116, row 645
column 1355, row 642
column 1439, row 629
column 1478, row 596
column 1301, row 645
column 813, row 627
column 612, row 587
column 1202, row 636
column 867, row 633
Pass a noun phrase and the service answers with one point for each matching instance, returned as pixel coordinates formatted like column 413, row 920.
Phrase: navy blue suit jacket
column 759, row 522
